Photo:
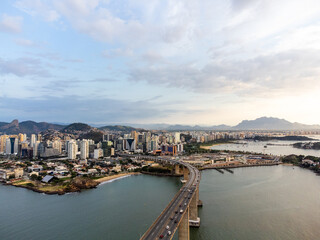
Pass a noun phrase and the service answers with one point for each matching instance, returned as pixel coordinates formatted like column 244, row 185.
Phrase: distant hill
column 119, row 128
column 263, row 123
column 269, row 123
column 178, row 127
column 3, row 123
column 96, row 136
column 27, row 127
column 77, row 127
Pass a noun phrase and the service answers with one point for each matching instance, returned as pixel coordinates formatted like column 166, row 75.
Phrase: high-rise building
column 130, row 144
column 72, row 150
column 8, row 146
column 84, row 149
column 32, row 140
column 39, row 137
column 177, row 137
column 153, row 145
column 3, row 139
column 21, row 137
column 56, row 144
column 98, row 153
column 36, row 149
column 134, row 135
column 12, row 145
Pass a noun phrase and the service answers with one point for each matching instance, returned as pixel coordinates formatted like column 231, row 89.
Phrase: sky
column 191, row 62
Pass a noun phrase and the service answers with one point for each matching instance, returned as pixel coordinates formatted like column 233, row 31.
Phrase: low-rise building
column 7, row 173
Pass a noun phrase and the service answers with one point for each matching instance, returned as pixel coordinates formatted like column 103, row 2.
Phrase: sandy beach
column 209, row 147
column 108, row 178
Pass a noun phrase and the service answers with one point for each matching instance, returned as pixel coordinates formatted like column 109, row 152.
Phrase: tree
column 33, row 177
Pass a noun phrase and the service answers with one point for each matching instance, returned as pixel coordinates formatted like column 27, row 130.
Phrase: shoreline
column 162, row 174
column 240, row 166
column 113, row 177
column 288, row 164
column 209, row 147
column 62, row 191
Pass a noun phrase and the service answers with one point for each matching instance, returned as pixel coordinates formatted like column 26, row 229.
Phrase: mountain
column 178, row 127
column 263, row 123
column 27, row 127
column 2, row 124
column 77, row 127
column 119, row 128
column 270, row 123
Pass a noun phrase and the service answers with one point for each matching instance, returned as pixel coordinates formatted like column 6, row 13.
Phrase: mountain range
column 27, row 127
column 263, row 123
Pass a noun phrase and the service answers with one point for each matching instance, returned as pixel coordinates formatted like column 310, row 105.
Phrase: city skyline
column 179, row 62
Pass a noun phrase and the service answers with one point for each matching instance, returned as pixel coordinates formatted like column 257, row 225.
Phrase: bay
column 277, row 202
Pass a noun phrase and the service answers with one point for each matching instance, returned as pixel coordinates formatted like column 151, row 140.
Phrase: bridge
column 182, row 212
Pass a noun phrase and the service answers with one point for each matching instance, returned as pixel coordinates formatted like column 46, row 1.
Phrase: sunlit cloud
column 207, row 55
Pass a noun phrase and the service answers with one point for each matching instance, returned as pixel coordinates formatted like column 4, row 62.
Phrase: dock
column 228, row 170
column 219, row 170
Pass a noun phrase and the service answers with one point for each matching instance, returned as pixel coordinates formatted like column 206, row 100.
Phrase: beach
column 209, row 147
column 108, row 178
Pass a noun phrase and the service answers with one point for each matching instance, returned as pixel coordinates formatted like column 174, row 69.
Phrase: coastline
column 209, row 147
column 287, row 164
column 61, row 190
column 113, row 177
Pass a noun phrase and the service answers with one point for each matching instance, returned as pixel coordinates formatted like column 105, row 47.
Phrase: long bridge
column 182, row 212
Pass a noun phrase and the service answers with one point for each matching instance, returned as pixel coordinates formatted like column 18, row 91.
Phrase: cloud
column 118, row 52
column 103, row 80
column 25, row 42
column 238, row 5
column 73, row 109
column 271, row 73
column 10, row 24
column 22, row 67
column 38, row 8
column 201, row 49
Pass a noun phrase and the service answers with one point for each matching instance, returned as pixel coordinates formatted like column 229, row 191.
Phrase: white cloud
column 38, row 8
column 10, row 24
column 238, row 48
column 22, row 67
column 25, row 42
column 264, row 75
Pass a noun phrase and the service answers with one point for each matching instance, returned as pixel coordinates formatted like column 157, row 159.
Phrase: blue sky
column 138, row 61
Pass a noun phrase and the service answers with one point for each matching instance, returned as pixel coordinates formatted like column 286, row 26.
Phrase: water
column 277, row 148
column 276, row 202
column 122, row 209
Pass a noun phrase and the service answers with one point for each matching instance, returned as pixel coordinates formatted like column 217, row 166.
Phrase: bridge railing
column 167, row 207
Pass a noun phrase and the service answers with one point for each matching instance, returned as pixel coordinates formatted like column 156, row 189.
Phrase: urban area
column 58, row 161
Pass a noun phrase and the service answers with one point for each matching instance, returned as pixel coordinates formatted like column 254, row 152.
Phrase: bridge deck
column 169, row 220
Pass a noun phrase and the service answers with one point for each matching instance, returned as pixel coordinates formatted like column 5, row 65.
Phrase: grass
column 51, row 188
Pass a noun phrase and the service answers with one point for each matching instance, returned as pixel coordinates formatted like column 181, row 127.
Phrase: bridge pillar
column 185, row 173
column 200, row 204
column 184, row 227
column 194, row 220
column 177, row 169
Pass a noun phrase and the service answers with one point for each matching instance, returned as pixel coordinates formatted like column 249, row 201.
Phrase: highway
column 168, row 221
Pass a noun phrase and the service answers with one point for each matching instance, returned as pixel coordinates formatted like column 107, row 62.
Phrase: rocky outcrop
column 75, row 185
column 83, row 183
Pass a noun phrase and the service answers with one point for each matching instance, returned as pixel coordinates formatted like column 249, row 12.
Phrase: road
column 167, row 223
